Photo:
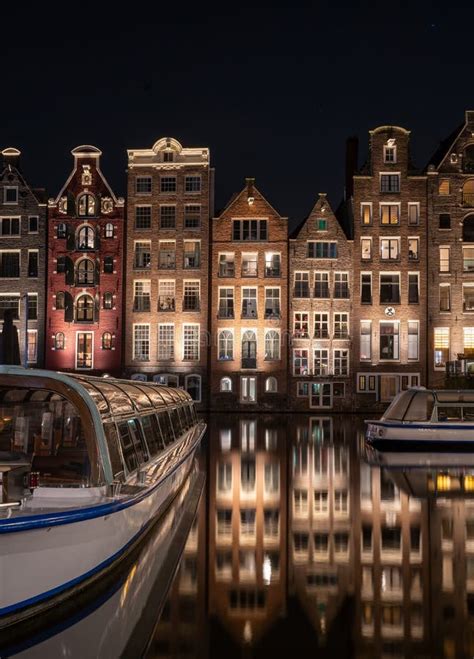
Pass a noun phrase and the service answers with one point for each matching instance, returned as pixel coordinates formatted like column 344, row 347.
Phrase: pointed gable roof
column 446, row 145
column 322, row 209
column 251, row 194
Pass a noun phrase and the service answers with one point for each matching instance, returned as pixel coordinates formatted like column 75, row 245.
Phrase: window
column 226, row 265
column 468, row 297
column 390, row 152
column 168, row 156
column 366, row 288
column 341, row 362
column 271, row 385
column 224, row 522
column 33, row 224
column 389, row 249
column 190, row 342
column 11, row 302
column 192, row 216
column 321, row 326
column 226, row 384
column 413, row 249
column 468, row 344
column 321, row 224
column 10, row 194
column 141, row 295
column 108, row 265
column 300, row 362
column 413, row 288
column 59, row 341
column 10, row 226
column 321, row 284
column 444, row 297
column 32, row 347
column 341, row 326
column 391, row 538
column 249, row 303
column 468, row 259
column 389, row 288
column 321, row 501
column 109, row 230
column 192, row 253
column 249, row 265
column 84, row 354
column 366, row 249
column 60, row 300
column 389, row 340
column 366, row 214
column 445, row 221
column 249, row 349
column 301, row 542
column 165, row 341
column 192, row 184
column 272, row 264
column 249, row 230
column 142, row 255
column 389, row 214
column 300, row 502
column 191, row 296
column 85, row 309
column 192, row 384
column 414, row 214
column 390, row 183
column 143, row 217
column 108, row 301
column 226, row 303
column 107, row 342
column 322, row 250
column 321, row 362
column 141, row 342
column 444, row 259
column 413, row 340
column 272, row 345
column 365, row 340
column 61, row 230
column 168, row 217
column 341, row 285
column 86, row 238
column 226, row 344
column 272, row 303
column 302, row 389
column 143, row 185
column 166, row 295
column 168, row 184
column 301, row 284
column 167, row 255
column 272, row 470
column 10, row 264
column 86, row 205
column 441, row 346
column 33, row 263
column 248, row 389
column 301, row 325
column 444, row 187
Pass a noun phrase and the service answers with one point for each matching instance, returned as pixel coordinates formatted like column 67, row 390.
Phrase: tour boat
column 425, row 416
column 86, row 465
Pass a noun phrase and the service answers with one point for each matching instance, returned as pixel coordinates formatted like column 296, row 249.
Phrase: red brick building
column 84, row 285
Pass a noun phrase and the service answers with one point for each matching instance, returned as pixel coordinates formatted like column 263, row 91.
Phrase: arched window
column 271, row 385
column 106, row 341
column 139, row 377
column 61, row 230
column 468, row 193
column 86, row 238
column 85, row 309
column 469, row 158
column 249, row 349
column 468, row 229
column 226, row 344
column 108, row 301
column 86, row 205
column 109, row 230
column 60, row 300
column 226, row 384
column 192, row 384
column 108, row 264
column 59, row 341
column 272, row 345
column 85, row 272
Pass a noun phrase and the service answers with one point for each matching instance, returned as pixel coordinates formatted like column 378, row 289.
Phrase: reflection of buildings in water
column 247, row 523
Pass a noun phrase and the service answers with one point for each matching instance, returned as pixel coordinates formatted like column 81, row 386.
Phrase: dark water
column 299, row 548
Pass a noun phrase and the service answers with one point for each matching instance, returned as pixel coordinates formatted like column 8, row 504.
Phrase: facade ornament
column 107, row 205
column 63, row 205
column 86, row 175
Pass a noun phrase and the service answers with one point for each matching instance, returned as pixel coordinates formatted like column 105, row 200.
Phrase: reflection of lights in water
column 322, row 624
column 248, row 632
column 443, row 482
column 126, row 586
column 469, row 482
column 384, row 581
column 267, row 570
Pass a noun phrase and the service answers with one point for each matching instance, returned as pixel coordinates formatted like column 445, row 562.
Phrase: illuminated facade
column 320, row 292
column 170, row 200
column 249, row 316
column 22, row 257
column 84, row 285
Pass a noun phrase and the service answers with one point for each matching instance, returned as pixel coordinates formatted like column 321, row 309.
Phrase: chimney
column 11, row 156
column 352, row 148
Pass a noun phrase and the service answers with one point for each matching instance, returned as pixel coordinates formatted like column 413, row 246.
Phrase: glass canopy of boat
column 436, row 406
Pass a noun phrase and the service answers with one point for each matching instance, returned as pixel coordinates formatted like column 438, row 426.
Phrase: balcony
column 249, row 362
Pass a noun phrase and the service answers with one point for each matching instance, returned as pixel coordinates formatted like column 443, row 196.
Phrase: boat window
column 50, row 432
column 449, row 414
column 114, row 451
column 189, row 415
column 166, row 427
column 139, row 441
column 152, row 434
column 176, row 422
column 449, row 396
column 183, row 417
column 396, row 411
column 128, row 449
column 421, row 407
column 468, row 413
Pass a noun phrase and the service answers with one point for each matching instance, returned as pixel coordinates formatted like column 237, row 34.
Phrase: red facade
column 85, row 253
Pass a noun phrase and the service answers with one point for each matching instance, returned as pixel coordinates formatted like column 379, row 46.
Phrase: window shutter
column 96, row 308
column 97, row 272
column 69, row 271
column 97, row 239
column 71, row 204
column 68, row 308
column 70, row 238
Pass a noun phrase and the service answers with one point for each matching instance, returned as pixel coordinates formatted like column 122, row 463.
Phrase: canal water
column 297, row 543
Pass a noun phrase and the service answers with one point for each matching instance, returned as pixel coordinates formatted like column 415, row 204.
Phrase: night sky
column 272, row 92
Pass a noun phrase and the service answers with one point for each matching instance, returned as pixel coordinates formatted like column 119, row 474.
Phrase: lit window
column 413, row 340
column 390, row 152
column 226, row 345
column 167, row 255
column 390, row 183
column 413, row 249
column 365, row 340
column 445, row 297
column 468, row 297
column 141, row 342
column 106, row 341
column 321, row 326
column 272, row 303
column 32, row 346
column 109, row 230
column 444, row 187
column 226, row 384
column 86, row 238
column 271, row 385
column 142, row 255
column 165, row 341
column 389, row 249
column 272, row 345
column 300, row 362
column 341, row 362
column 86, row 205
column 390, row 214
column 366, row 214
column 413, row 213
column 321, row 362
column 444, row 259
column 166, row 295
column 85, row 308
column 366, row 249
column 469, row 342
column 441, row 346
column 389, row 340
column 190, row 342
column 192, row 254
column 341, row 325
column 59, row 341
column 301, row 325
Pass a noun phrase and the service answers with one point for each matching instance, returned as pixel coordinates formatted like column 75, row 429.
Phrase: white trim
column 194, row 375
column 83, row 368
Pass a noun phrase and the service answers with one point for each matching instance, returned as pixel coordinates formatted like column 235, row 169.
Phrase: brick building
column 451, row 253
column 22, row 257
column 84, row 286
column 390, row 270
column 170, row 200
column 249, row 316
column 320, row 281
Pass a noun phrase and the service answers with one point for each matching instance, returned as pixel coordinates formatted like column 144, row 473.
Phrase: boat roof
column 447, row 395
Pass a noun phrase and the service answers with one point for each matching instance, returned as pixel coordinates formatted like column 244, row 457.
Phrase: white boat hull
column 419, row 432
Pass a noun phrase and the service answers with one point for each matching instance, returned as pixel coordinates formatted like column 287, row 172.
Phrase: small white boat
column 86, row 465
column 419, row 415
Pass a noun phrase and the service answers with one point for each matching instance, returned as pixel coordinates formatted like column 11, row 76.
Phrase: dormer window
column 86, row 205
column 321, row 224
column 168, row 156
column 390, row 152
column 10, row 194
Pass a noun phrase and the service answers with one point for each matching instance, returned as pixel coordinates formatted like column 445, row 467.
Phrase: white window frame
column 417, row 323
column 82, row 368
column 369, row 358
column 225, row 391
column 347, row 321
column 390, row 238
column 414, row 204
column 194, row 375
column 277, row 330
column 134, row 325
column 448, row 248
column 399, row 174
column 448, row 332
column 390, row 203
column 246, row 399
column 10, row 203
column 390, row 148
column 370, row 206
column 143, row 176
column 35, row 360
column 395, row 359
column 167, row 325
column 198, row 325
column 219, row 331
column 348, row 363
column 370, row 241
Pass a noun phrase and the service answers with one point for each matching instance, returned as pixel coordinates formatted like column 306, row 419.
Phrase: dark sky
column 274, row 92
